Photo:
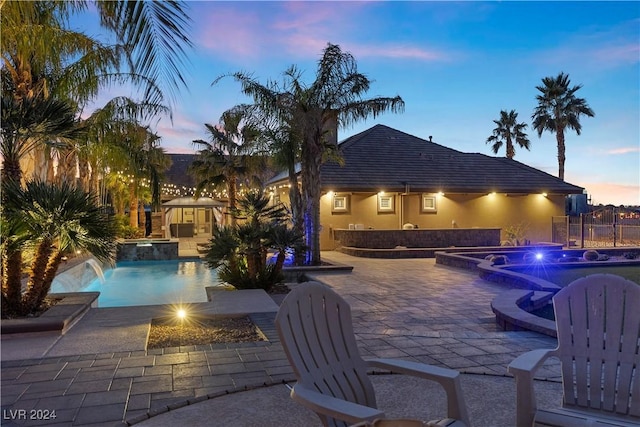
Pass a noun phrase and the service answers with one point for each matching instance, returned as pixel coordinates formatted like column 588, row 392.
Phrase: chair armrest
column 449, row 379
column 529, row 362
column 333, row 407
column 523, row 369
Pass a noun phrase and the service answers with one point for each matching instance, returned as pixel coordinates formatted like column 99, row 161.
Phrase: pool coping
column 512, row 307
column 59, row 318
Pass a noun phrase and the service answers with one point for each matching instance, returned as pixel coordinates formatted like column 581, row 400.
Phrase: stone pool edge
column 59, row 318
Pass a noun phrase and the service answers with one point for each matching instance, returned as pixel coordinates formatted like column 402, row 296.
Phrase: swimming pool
column 149, row 283
column 562, row 275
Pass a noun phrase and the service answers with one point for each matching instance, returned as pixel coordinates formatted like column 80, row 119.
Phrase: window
column 429, row 203
column 386, row 203
column 340, row 203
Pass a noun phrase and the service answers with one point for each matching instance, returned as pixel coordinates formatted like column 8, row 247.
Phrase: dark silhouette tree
column 558, row 109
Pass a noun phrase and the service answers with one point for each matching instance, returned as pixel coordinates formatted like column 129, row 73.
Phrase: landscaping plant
column 239, row 251
column 51, row 221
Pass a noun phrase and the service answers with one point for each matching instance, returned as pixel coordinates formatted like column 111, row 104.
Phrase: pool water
column 562, row 275
column 152, row 282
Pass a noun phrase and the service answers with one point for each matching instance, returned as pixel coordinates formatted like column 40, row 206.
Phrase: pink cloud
column 400, row 52
column 616, row 194
column 624, row 150
column 298, row 29
column 624, row 54
column 231, row 31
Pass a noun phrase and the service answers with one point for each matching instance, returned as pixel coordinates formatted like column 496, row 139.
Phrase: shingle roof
column 382, row 158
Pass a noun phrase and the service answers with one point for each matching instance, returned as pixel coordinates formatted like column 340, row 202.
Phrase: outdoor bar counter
column 421, row 242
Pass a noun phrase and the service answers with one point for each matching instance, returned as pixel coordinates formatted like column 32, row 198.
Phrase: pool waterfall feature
column 525, row 293
column 79, row 276
column 147, row 250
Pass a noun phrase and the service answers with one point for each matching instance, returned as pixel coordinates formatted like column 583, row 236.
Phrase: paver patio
column 407, row 308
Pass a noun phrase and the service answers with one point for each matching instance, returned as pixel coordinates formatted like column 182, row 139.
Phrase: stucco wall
column 534, row 211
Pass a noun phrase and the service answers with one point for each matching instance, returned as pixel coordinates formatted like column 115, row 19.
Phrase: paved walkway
column 410, row 309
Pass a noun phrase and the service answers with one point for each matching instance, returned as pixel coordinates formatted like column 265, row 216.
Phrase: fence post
column 582, row 231
column 615, row 223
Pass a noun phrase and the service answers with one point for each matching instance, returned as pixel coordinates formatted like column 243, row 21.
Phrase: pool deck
column 100, row 374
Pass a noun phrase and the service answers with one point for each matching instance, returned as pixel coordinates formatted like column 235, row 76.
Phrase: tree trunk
column 133, row 205
column 12, row 282
column 232, row 199
column 280, row 258
column 49, row 275
column 11, row 259
column 11, row 170
column 510, row 150
column 41, row 159
column 296, row 212
column 142, row 218
column 31, row 299
column 561, row 152
column 83, row 169
column 311, row 161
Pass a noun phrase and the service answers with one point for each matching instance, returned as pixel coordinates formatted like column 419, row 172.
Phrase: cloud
column 623, row 150
column 300, row 29
column 599, row 50
column 230, row 31
column 615, row 194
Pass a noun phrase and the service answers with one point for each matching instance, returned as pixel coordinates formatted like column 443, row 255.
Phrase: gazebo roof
column 190, row 202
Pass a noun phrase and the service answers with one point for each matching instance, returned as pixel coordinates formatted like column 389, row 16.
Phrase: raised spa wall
column 147, row 250
column 413, row 243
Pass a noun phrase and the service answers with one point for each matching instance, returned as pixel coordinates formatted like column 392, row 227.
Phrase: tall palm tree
column 151, row 42
column 57, row 219
column 313, row 111
column 558, row 109
column 42, row 57
column 508, row 131
column 283, row 145
column 227, row 158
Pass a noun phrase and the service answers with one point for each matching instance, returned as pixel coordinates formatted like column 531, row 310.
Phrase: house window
column 386, row 203
column 340, row 203
column 429, row 203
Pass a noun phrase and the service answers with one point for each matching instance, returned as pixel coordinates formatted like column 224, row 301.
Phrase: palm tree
column 43, row 58
column 151, row 41
column 240, row 251
column 276, row 137
column 313, row 112
column 228, row 158
column 31, row 123
column 508, row 131
column 57, row 220
column 559, row 108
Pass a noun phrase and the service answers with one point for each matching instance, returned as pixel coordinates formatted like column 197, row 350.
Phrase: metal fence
column 607, row 227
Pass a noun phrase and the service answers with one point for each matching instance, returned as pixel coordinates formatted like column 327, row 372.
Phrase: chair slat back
column 316, row 331
column 598, row 321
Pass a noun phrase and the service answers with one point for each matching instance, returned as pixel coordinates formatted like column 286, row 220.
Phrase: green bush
column 124, row 230
column 240, row 252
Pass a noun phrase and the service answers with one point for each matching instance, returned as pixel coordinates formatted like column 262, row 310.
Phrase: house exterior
column 391, row 180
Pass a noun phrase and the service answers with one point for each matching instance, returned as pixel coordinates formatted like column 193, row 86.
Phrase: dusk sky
column 456, row 65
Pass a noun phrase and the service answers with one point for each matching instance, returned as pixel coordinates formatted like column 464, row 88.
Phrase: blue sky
column 455, row 64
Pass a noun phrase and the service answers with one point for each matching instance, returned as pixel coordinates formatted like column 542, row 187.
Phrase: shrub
column 240, row 252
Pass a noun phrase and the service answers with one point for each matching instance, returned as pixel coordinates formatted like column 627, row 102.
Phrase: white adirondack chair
column 598, row 322
column 315, row 328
